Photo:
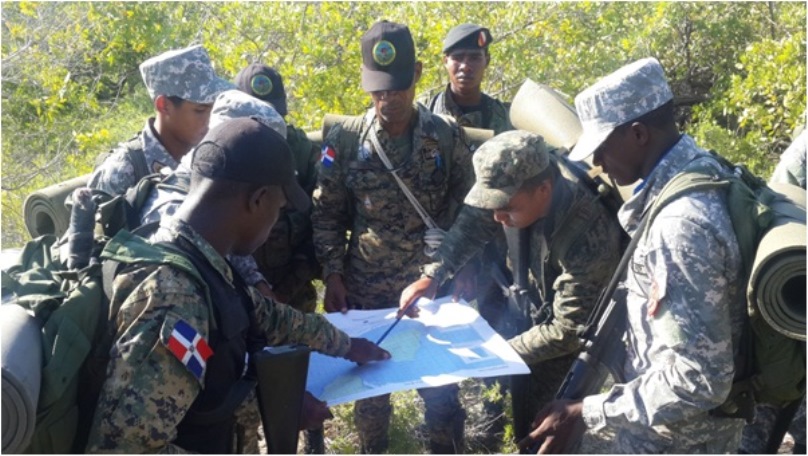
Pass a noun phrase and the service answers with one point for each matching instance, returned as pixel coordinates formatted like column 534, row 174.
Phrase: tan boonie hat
column 185, row 73
column 502, row 164
column 232, row 104
column 635, row 89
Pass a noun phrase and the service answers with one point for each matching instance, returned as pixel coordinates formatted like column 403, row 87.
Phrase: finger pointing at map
column 363, row 351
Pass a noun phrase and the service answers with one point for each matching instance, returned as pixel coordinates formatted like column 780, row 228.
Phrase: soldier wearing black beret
column 466, row 57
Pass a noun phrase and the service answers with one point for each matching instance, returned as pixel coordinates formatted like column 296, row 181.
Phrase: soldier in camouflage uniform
column 167, row 195
column 466, row 57
column 287, row 258
column 183, row 86
column 574, row 244
column 684, row 302
column 161, row 375
column 356, row 193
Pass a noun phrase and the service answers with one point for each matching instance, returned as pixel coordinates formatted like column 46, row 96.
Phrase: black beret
column 467, row 36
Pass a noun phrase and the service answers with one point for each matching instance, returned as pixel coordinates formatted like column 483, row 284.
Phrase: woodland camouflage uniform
column 356, row 193
column 565, row 284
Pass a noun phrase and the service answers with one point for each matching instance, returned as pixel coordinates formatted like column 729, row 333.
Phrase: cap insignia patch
column 384, row 53
column 261, row 84
column 481, row 40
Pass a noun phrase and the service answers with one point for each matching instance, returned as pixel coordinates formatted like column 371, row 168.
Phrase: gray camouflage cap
column 185, row 73
column 628, row 93
column 502, row 164
column 232, row 104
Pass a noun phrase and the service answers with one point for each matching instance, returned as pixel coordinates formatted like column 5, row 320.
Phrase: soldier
column 287, row 258
column 162, row 384
column 183, row 85
column 574, row 244
column 466, row 57
column 683, row 298
column 367, row 164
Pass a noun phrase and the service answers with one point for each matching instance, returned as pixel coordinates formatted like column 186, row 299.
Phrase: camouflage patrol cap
column 502, row 164
column 246, row 150
column 232, row 104
column 265, row 83
column 467, row 36
column 635, row 89
column 185, row 73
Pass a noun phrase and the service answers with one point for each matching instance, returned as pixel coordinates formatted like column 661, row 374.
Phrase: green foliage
column 71, row 86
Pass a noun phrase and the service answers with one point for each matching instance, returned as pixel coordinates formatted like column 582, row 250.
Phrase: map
column 447, row 343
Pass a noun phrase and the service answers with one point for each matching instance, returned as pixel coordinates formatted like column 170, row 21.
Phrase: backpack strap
column 136, row 155
column 128, row 248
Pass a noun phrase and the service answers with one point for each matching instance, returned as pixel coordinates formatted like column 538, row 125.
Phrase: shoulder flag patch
column 327, row 155
column 190, row 348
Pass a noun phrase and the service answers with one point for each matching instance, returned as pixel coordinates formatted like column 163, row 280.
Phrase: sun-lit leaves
column 71, row 86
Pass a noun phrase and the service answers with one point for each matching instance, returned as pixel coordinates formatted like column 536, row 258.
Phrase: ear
column 640, row 133
column 487, row 58
column 418, row 68
column 256, row 199
column 161, row 104
column 445, row 59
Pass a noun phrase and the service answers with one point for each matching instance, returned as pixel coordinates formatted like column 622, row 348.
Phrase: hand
column 314, row 412
column 424, row 287
column 363, row 351
column 336, row 296
column 265, row 289
column 465, row 282
column 557, row 425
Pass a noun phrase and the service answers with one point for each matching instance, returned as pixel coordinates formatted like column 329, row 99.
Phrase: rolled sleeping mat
column 777, row 281
column 474, row 136
column 21, row 353
column 539, row 109
column 44, row 210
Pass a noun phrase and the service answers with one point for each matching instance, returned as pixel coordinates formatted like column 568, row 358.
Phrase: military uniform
column 680, row 360
column 576, row 273
column 117, row 173
column 683, row 287
column 149, row 391
column 356, row 193
column 491, row 114
column 287, row 258
column 185, row 73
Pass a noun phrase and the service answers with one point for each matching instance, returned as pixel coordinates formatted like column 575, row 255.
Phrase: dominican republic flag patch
column 190, row 348
column 327, row 156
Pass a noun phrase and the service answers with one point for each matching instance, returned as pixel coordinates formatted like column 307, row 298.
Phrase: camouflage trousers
column 444, row 418
column 529, row 393
column 756, row 435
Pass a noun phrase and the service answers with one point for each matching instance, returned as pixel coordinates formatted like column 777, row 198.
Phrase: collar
column 173, row 229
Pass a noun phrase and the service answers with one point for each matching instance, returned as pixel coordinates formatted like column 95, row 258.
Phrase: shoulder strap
column 349, row 139
column 138, row 157
column 128, row 248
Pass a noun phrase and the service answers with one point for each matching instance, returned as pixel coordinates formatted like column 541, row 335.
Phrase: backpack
column 770, row 367
column 77, row 329
column 136, row 155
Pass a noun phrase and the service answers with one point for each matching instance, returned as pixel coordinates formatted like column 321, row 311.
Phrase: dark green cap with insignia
column 265, row 83
column 388, row 57
column 502, row 164
column 467, row 36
